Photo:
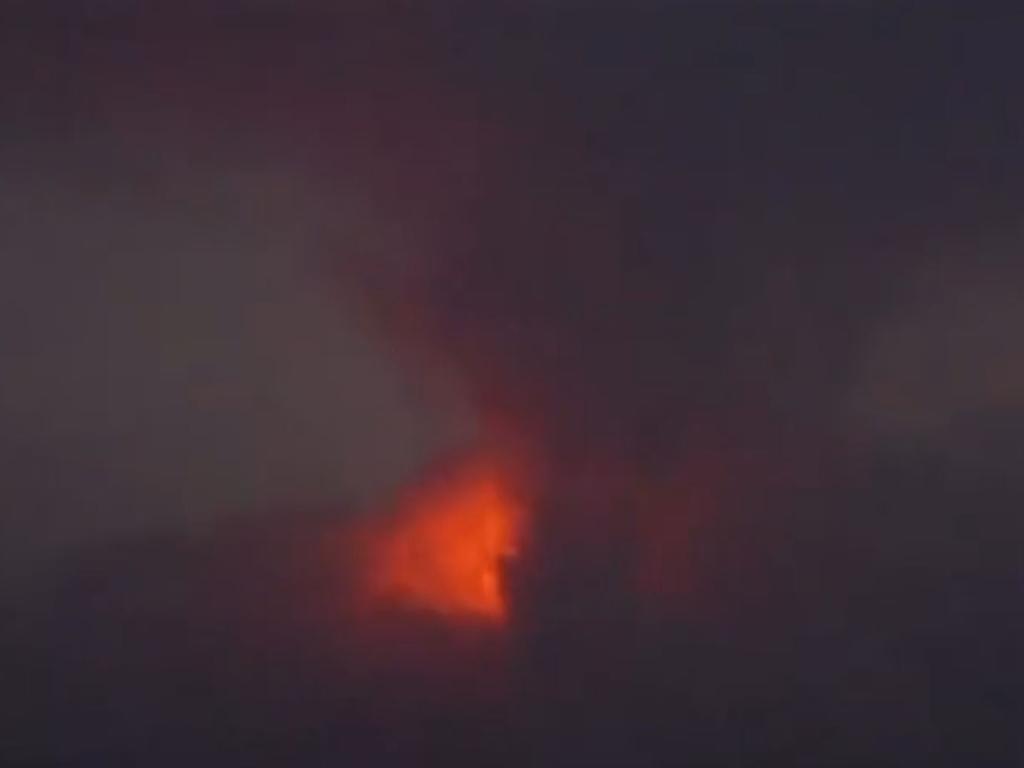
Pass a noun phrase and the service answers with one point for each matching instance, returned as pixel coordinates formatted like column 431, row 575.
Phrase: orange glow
column 446, row 548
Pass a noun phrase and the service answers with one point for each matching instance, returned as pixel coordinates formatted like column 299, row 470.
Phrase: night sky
column 723, row 300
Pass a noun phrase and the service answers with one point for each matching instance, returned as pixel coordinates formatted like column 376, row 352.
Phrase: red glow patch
column 447, row 546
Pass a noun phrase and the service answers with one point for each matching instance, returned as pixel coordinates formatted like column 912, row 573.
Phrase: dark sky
column 743, row 281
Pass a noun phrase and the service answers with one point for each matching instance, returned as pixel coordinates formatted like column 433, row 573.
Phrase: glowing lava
column 446, row 548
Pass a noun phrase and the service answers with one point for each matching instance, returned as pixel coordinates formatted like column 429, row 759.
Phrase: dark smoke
column 658, row 252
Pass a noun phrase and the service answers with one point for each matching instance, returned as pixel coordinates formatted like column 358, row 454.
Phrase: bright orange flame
column 446, row 549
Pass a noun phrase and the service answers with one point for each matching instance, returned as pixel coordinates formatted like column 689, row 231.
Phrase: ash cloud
column 661, row 249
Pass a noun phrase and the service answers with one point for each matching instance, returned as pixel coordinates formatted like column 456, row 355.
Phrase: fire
column 446, row 548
